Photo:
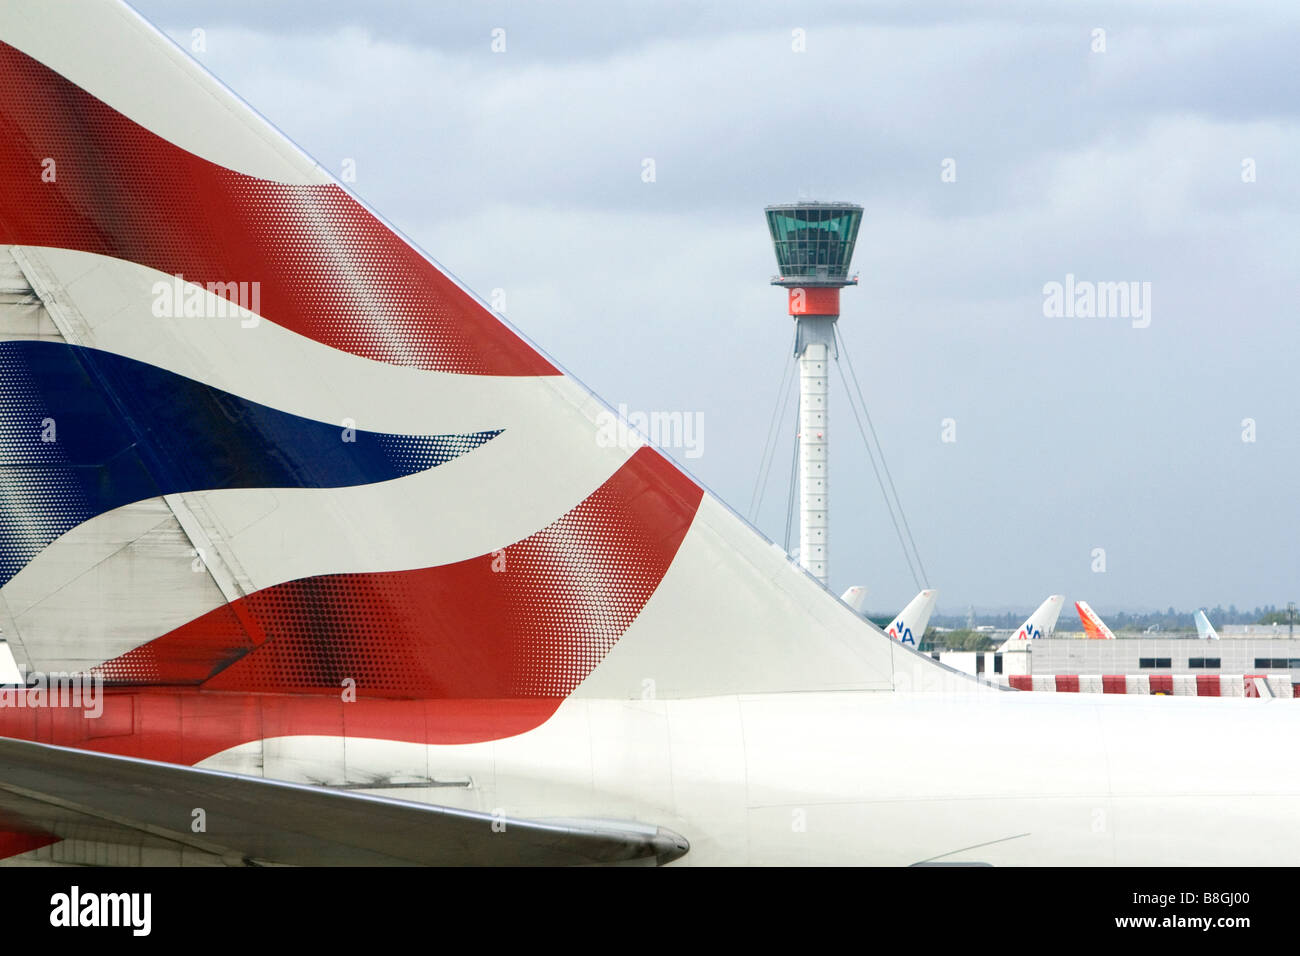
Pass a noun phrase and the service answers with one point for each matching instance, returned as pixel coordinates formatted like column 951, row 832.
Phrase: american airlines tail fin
column 1039, row 624
column 1204, row 629
column 909, row 624
column 1093, row 626
column 855, row 597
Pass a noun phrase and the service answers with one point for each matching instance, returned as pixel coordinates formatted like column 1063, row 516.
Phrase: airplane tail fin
column 1093, row 626
column 908, row 626
column 855, row 597
column 1039, row 624
column 258, row 441
column 1204, row 629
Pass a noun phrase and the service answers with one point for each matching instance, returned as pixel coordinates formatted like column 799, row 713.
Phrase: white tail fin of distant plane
column 855, row 597
column 1204, row 629
column 1094, row 626
column 1039, row 624
column 908, row 626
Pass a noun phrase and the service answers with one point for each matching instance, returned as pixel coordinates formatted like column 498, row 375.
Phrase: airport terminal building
column 1162, row 656
column 1174, row 663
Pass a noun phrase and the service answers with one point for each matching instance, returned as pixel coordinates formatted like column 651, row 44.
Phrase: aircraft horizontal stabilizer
column 67, row 793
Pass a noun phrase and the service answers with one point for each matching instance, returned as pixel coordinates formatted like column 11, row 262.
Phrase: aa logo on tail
column 901, row 631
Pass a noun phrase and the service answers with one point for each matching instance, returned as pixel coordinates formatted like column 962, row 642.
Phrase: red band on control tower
column 818, row 300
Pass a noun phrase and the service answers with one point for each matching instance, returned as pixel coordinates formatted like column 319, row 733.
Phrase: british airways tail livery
column 908, row 626
column 1039, row 624
column 297, row 530
column 1204, row 629
column 1093, row 625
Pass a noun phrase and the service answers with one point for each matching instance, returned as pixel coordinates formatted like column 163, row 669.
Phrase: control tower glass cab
column 814, row 243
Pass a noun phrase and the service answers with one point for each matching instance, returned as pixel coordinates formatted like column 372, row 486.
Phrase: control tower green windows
column 814, row 241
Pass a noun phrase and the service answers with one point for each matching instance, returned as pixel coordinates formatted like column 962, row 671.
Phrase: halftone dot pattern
column 221, row 642
column 40, row 494
column 126, row 431
column 407, row 454
column 576, row 586
column 327, row 269
column 368, row 292
column 324, row 630
column 529, row 621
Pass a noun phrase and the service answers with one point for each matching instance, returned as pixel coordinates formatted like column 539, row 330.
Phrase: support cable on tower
column 880, row 448
column 879, row 481
column 789, row 501
column 769, row 447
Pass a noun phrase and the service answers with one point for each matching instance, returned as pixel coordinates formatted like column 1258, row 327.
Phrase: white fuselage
column 874, row 778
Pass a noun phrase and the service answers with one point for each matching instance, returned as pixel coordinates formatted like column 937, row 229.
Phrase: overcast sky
column 522, row 171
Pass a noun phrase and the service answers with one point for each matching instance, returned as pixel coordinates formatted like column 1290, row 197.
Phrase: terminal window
column 1155, row 662
column 1279, row 662
column 1203, row 662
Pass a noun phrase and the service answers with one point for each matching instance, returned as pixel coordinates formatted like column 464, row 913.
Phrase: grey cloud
column 522, row 172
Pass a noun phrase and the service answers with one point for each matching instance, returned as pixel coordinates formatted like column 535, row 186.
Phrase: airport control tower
column 814, row 246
